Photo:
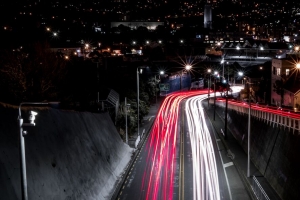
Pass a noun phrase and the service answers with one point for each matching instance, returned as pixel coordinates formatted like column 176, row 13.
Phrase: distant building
column 207, row 16
column 135, row 25
column 287, row 81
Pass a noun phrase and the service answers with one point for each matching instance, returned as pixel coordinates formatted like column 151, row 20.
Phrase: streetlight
column 240, row 74
column 222, row 62
column 209, row 85
column 298, row 65
column 249, row 129
column 227, row 63
column 138, row 96
column 96, row 60
column 215, row 73
column 226, row 111
column 188, row 67
column 160, row 73
column 127, row 106
column 138, row 100
column 22, row 133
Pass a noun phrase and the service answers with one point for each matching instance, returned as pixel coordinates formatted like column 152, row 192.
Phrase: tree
column 31, row 74
column 12, row 76
column 278, row 88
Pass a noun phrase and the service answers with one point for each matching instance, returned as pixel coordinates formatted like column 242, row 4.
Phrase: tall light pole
column 22, row 133
column 96, row 60
column 215, row 95
column 155, row 86
column 138, row 100
column 239, row 74
column 187, row 68
column 160, row 73
column 126, row 110
column 227, row 63
column 138, row 96
column 222, row 62
column 209, row 85
column 226, row 111
column 249, row 130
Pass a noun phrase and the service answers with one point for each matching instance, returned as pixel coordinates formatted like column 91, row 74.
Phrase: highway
column 180, row 158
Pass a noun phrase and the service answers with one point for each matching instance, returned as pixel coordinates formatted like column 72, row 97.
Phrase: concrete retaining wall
column 275, row 150
column 70, row 155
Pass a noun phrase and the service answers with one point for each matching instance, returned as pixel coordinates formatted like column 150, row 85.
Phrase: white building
column 135, row 25
column 286, row 76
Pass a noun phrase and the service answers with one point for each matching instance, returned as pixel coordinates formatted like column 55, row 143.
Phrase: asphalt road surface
column 182, row 157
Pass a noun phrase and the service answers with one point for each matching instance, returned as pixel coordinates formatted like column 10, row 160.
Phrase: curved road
column 180, row 158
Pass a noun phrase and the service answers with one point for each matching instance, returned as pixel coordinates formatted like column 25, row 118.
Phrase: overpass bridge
column 243, row 61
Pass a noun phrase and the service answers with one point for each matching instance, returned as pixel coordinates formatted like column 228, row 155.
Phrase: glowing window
column 278, row 71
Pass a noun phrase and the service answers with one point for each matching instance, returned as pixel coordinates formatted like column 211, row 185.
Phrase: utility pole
column 226, row 111
column 249, row 130
column 215, row 99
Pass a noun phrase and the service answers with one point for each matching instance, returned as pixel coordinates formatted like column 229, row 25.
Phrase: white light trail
column 205, row 175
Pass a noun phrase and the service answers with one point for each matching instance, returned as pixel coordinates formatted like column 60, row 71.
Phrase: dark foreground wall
column 70, row 155
column 275, row 150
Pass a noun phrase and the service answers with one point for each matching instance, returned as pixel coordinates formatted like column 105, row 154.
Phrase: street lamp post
column 249, row 130
column 96, row 60
column 227, row 63
column 155, row 89
column 160, row 73
column 138, row 97
column 138, row 101
column 22, row 133
column 188, row 67
column 226, row 111
column 215, row 73
column 239, row 74
column 222, row 62
column 215, row 99
column 209, row 85
column 126, row 110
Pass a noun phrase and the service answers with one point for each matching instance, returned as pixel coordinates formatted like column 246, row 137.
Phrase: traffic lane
column 188, row 163
column 152, row 177
column 235, row 187
column 205, row 175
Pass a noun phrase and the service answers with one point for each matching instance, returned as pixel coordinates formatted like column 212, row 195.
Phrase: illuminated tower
column 207, row 16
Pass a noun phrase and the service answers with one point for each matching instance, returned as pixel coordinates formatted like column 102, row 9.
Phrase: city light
column 188, row 67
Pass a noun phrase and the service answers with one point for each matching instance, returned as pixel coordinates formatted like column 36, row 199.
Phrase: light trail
column 161, row 171
column 159, row 174
column 158, row 178
column 205, row 175
column 158, row 184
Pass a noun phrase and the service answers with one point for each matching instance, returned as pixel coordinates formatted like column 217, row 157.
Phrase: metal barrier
column 258, row 190
column 281, row 118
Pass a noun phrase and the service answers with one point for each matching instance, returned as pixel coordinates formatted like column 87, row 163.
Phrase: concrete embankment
column 275, row 151
column 69, row 155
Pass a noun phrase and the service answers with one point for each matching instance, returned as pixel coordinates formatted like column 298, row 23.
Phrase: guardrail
column 270, row 116
column 258, row 190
